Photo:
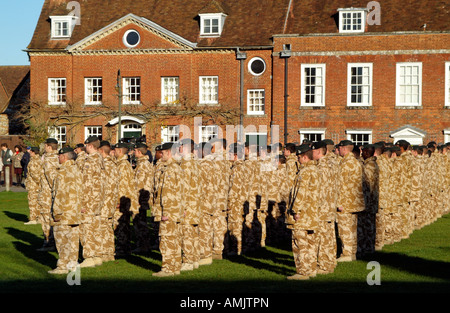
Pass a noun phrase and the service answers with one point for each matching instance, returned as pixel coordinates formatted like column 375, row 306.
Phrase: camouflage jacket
column 127, row 196
column 93, row 191
column 169, row 191
column 304, row 198
column 144, row 174
column 237, row 194
column 223, row 166
column 155, row 203
column 351, row 196
column 252, row 180
column 67, row 194
column 50, row 165
column 292, row 167
column 384, row 181
column 110, row 177
column 327, row 208
column 81, row 158
column 35, row 171
column 190, row 189
column 371, row 184
column 208, row 180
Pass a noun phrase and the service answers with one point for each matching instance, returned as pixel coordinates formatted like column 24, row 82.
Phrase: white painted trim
column 397, row 81
column 248, row 101
column 115, row 120
column 303, row 85
column 349, row 89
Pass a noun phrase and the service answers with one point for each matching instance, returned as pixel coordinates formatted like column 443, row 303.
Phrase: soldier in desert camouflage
column 33, row 185
column 111, row 185
column 168, row 195
column 303, row 211
column 66, row 214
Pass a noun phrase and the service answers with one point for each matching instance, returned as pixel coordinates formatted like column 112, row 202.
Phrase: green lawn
column 415, row 265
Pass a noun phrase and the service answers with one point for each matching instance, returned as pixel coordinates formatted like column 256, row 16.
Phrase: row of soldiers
column 211, row 199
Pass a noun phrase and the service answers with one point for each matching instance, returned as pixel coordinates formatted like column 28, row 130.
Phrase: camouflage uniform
column 81, row 158
column 304, row 203
column 237, row 196
column 253, row 186
column 292, row 167
column 33, row 185
column 111, row 185
column 393, row 215
column 384, row 189
column 91, row 206
column 191, row 194
column 128, row 206
column 326, row 236
column 351, row 199
column 144, row 179
column 169, row 200
column 66, row 215
column 50, row 164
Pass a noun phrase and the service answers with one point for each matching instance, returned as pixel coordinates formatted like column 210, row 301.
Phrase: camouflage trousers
column 205, row 235
column 141, row 230
column 366, row 232
column 406, row 219
column 122, row 231
column 219, row 231
column 392, row 220
column 379, row 229
column 190, row 243
column 235, row 235
column 304, row 250
column 67, row 244
column 90, row 236
column 33, row 204
column 45, row 219
column 170, row 246
column 326, row 246
column 107, row 230
column 419, row 214
column 348, row 233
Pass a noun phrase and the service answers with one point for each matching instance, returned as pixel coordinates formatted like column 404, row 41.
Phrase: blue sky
column 18, row 20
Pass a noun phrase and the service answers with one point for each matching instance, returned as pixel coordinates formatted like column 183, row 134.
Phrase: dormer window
column 211, row 24
column 352, row 20
column 62, row 26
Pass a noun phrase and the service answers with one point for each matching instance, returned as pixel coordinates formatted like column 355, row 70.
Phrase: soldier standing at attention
column 169, row 197
column 144, row 173
column 80, row 151
column 111, row 185
column 91, row 204
column 66, row 214
column 326, row 235
column 350, row 200
column 50, row 164
column 190, row 205
column 127, row 200
column 33, row 185
column 292, row 165
column 304, row 212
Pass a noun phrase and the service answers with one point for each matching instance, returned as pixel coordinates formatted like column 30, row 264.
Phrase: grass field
column 420, row 264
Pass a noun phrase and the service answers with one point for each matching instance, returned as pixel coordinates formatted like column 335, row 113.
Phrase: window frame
column 88, row 133
column 55, row 132
column 57, row 95
column 175, row 130
column 359, row 132
column 249, row 66
column 126, row 86
column 163, row 89
column 220, row 17
column 352, row 11
column 447, row 84
column 303, row 85
column 88, row 96
column 303, row 132
column 201, row 89
column 69, row 19
column 215, row 132
column 349, row 84
column 398, row 103
column 263, row 105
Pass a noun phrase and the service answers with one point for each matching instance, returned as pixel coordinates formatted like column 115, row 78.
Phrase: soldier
column 264, row 178
column 253, row 188
column 50, row 164
column 80, row 151
column 382, row 154
column 237, row 196
column 66, row 214
column 33, row 186
column 111, row 185
column 392, row 212
column 191, row 194
column 127, row 200
column 169, row 198
column 155, row 216
column 326, row 236
column 223, row 168
column 303, row 215
column 350, row 200
column 144, row 173
column 292, row 165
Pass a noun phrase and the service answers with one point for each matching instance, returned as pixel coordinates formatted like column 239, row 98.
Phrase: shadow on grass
column 16, row 216
column 140, row 260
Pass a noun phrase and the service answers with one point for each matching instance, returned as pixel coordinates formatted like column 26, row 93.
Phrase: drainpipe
column 286, row 54
column 241, row 56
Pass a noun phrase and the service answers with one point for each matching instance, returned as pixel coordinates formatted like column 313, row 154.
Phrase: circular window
column 256, row 66
column 131, row 38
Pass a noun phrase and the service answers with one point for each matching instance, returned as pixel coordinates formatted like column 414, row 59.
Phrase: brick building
column 367, row 71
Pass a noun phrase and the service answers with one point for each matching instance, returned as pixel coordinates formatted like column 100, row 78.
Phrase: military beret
column 368, row 146
column 91, row 139
column 141, row 145
column 302, row 148
column 65, row 150
column 104, row 143
column 393, row 148
column 378, row 145
column 35, row 149
column 122, row 145
column 167, row 146
column 345, row 142
column 158, row 148
column 51, row 140
column 328, row 142
column 318, row 145
column 80, row 145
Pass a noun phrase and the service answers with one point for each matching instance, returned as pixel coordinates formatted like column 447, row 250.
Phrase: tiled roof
column 248, row 22
column 10, row 78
